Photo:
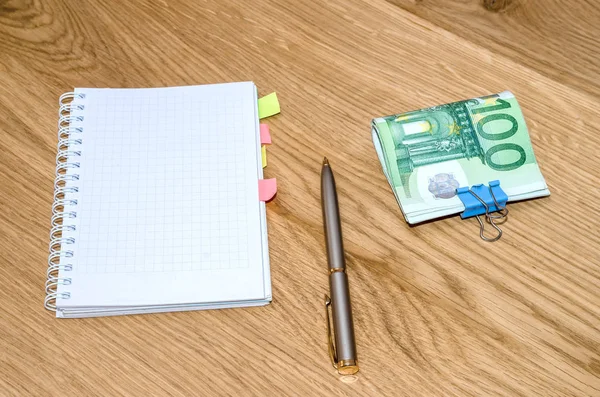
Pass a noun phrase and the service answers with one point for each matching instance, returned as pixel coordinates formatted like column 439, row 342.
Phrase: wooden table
column 437, row 311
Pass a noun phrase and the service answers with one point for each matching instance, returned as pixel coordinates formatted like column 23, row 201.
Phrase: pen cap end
column 347, row 367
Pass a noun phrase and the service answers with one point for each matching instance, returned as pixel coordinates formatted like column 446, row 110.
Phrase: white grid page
column 168, row 196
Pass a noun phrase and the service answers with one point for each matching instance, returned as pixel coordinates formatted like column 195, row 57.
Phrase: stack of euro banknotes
column 427, row 154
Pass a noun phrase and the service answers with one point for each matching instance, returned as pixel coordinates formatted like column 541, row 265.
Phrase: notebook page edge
column 263, row 210
column 88, row 312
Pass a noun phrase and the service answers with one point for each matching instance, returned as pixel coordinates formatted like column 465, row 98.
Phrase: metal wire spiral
column 64, row 206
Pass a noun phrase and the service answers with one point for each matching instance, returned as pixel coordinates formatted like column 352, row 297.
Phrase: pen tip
column 325, row 161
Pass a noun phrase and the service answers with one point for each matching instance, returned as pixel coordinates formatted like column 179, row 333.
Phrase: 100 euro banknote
column 427, row 154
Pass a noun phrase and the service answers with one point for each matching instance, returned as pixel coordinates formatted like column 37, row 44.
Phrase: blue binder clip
column 481, row 199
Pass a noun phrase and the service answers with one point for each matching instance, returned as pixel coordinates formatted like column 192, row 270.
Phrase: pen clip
column 331, row 344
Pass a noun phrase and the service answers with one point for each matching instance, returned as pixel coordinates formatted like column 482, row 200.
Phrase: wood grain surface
column 437, row 311
column 557, row 39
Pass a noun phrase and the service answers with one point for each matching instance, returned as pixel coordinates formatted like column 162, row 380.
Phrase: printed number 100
column 499, row 136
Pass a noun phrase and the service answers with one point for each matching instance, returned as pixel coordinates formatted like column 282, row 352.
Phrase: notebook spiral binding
column 64, row 206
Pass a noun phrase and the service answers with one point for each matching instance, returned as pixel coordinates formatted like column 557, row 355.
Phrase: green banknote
column 427, row 154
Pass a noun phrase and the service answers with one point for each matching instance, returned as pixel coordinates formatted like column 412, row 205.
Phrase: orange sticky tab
column 265, row 136
column 267, row 189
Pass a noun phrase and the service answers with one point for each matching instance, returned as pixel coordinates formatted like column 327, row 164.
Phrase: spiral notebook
column 156, row 204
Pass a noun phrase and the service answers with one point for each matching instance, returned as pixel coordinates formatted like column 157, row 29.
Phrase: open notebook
column 157, row 202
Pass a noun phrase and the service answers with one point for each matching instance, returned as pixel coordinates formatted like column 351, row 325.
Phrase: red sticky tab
column 267, row 189
column 265, row 136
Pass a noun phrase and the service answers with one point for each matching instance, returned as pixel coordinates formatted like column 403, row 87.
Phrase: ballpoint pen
column 343, row 351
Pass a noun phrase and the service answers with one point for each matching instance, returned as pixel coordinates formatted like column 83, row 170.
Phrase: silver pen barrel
column 343, row 351
column 342, row 320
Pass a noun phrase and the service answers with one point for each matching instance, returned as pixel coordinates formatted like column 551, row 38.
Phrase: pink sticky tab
column 267, row 189
column 265, row 136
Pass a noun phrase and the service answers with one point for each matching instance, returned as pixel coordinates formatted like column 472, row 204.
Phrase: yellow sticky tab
column 263, row 151
column 268, row 106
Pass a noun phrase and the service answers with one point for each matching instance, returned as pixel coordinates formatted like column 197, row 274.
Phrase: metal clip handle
column 482, row 227
column 330, row 342
column 503, row 210
column 490, row 218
